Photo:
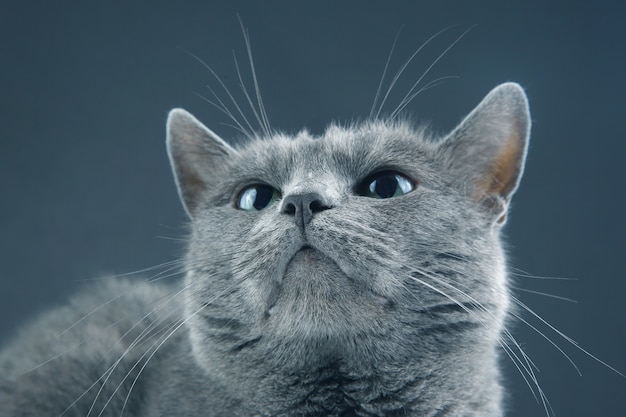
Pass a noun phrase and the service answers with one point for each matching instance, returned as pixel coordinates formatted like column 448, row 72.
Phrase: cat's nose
column 303, row 206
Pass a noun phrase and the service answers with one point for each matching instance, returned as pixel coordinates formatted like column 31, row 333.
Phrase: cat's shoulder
column 106, row 331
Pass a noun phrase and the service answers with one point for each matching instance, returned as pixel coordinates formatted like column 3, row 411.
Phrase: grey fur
column 396, row 308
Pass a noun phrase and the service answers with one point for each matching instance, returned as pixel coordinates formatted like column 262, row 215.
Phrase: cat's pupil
column 257, row 197
column 389, row 184
column 384, row 187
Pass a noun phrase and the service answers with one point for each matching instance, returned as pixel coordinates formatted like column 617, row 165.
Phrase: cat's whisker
column 139, row 339
column 175, row 263
column 109, row 372
column 136, row 363
column 395, row 78
column 168, row 273
column 105, row 375
column 506, row 332
column 523, row 274
column 243, row 132
column 550, row 326
column 545, row 294
column 564, row 336
column 228, row 93
column 382, row 78
column 135, row 272
column 92, row 312
column 264, row 122
column 143, row 337
column 520, row 318
column 261, row 121
column 527, row 368
column 53, row 358
column 221, row 107
column 174, row 239
column 66, row 351
column 85, row 392
column 404, row 101
column 165, row 339
column 408, row 99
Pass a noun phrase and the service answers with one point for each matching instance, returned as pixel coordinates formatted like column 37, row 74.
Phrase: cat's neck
column 359, row 385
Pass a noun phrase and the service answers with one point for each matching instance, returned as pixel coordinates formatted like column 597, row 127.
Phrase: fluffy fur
column 325, row 303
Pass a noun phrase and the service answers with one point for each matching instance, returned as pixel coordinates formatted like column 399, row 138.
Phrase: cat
column 356, row 273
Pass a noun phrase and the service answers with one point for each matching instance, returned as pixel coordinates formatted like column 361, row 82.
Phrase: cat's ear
column 196, row 153
column 488, row 148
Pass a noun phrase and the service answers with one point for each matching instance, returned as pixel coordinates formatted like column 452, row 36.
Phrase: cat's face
column 367, row 240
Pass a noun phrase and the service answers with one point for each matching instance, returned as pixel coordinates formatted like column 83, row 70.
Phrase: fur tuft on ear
column 488, row 148
column 195, row 153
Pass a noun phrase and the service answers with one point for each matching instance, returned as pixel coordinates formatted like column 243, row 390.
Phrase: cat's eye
column 386, row 184
column 257, row 197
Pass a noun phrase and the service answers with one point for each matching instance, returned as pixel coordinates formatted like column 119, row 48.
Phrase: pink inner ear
column 503, row 173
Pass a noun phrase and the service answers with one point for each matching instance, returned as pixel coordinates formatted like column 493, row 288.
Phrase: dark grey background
column 85, row 184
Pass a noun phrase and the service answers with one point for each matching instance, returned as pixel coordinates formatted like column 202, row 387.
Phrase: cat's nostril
column 303, row 207
column 316, row 206
column 289, row 208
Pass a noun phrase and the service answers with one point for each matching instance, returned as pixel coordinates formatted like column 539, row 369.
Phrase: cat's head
column 371, row 239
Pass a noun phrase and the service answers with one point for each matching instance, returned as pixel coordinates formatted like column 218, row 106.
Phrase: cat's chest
column 176, row 388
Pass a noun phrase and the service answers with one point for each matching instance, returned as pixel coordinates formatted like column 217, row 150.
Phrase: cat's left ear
column 488, row 148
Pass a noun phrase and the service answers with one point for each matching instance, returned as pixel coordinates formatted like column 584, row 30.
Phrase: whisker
column 105, row 375
column 228, row 93
column 85, row 392
column 139, row 339
column 523, row 274
column 403, row 67
column 407, row 100
column 220, row 106
column 145, row 335
column 184, row 320
column 545, row 294
column 520, row 360
column 265, row 124
column 245, row 93
column 506, row 332
column 58, row 355
column 92, row 312
column 550, row 326
column 246, row 134
column 175, row 263
column 175, row 239
column 419, row 80
column 128, row 373
column 520, row 318
column 136, row 272
column 566, row 337
column 382, row 78
column 167, row 273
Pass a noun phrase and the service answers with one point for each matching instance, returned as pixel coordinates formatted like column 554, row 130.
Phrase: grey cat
column 359, row 273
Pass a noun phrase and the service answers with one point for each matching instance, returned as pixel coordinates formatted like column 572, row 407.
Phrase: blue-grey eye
column 257, row 197
column 386, row 184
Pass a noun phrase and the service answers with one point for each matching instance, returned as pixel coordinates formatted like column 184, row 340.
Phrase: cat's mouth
column 306, row 261
column 305, row 252
column 304, row 248
column 311, row 277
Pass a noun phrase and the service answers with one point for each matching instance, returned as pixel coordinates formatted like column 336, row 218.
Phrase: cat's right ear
column 195, row 153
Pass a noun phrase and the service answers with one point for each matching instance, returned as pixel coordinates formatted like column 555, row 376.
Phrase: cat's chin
column 317, row 295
